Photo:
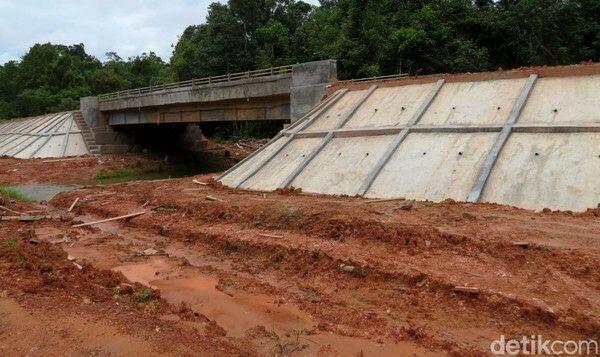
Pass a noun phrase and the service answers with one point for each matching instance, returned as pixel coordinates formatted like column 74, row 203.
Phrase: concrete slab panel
column 276, row 171
column 17, row 145
column 31, row 147
column 333, row 116
column 474, row 102
column 76, row 146
column 390, row 106
column 563, row 100
column 565, row 173
column 52, row 148
column 234, row 178
column 342, row 166
column 433, row 166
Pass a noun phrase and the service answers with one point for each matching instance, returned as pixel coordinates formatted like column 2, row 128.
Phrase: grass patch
column 144, row 295
column 10, row 243
column 14, row 194
column 116, row 175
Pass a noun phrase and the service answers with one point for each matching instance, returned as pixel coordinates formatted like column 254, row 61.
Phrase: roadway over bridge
column 281, row 93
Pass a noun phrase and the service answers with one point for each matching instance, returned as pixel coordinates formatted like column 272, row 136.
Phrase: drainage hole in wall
column 460, row 153
column 537, row 154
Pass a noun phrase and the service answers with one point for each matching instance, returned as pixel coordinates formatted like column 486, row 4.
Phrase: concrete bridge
column 119, row 120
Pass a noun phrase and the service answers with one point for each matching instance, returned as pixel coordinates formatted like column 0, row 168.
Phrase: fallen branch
column 110, row 219
column 9, row 210
column 73, row 205
column 270, row 235
column 200, row 183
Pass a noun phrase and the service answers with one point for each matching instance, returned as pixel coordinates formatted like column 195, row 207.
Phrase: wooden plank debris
column 9, row 210
column 73, row 204
column 110, row 219
column 200, row 183
column 70, row 159
column 385, row 200
column 270, row 235
column 466, row 289
column 212, row 198
column 523, row 245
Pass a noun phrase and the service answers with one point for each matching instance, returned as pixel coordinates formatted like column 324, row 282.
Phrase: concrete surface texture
column 46, row 136
column 528, row 138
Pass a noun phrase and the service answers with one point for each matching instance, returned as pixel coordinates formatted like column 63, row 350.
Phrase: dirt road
column 247, row 273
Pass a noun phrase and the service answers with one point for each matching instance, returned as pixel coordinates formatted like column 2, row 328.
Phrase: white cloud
column 128, row 27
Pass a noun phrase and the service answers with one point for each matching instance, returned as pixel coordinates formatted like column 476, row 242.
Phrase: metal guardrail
column 197, row 82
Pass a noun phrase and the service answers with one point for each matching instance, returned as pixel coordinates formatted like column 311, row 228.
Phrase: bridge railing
column 197, row 82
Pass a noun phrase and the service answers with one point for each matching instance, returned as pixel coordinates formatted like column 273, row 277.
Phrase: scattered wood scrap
column 70, row 159
column 466, row 290
column 270, row 235
column 27, row 218
column 73, row 204
column 9, row 210
column 523, row 245
column 213, row 198
column 385, row 200
column 200, row 183
column 110, row 219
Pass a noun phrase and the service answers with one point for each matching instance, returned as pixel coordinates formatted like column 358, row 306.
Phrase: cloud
column 128, row 27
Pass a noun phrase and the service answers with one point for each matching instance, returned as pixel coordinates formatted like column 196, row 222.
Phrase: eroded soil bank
column 207, row 270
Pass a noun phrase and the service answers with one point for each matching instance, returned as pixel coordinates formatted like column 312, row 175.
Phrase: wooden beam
column 110, row 219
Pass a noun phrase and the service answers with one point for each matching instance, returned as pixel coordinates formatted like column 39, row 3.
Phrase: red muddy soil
column 66, row 171
column 292, row 274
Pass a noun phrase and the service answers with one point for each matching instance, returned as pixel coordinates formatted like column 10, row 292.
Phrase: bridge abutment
column 118, row 120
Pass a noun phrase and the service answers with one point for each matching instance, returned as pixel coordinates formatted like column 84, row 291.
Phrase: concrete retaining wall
column 525, row 138
column 45, row 136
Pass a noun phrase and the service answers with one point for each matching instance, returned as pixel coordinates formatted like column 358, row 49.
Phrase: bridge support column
column 107, row 139
column 309, row 81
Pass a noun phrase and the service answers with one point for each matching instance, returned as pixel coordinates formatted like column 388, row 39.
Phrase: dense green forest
column 367, row 37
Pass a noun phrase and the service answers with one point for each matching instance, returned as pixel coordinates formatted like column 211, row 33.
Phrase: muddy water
column 40, row 192
column 235, row 311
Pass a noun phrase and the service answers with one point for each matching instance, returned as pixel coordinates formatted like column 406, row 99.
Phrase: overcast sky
column 128, row 27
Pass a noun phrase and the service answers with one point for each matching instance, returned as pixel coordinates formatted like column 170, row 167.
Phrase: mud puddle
column 236, row 312
column 41, row 192
column 273, row 324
